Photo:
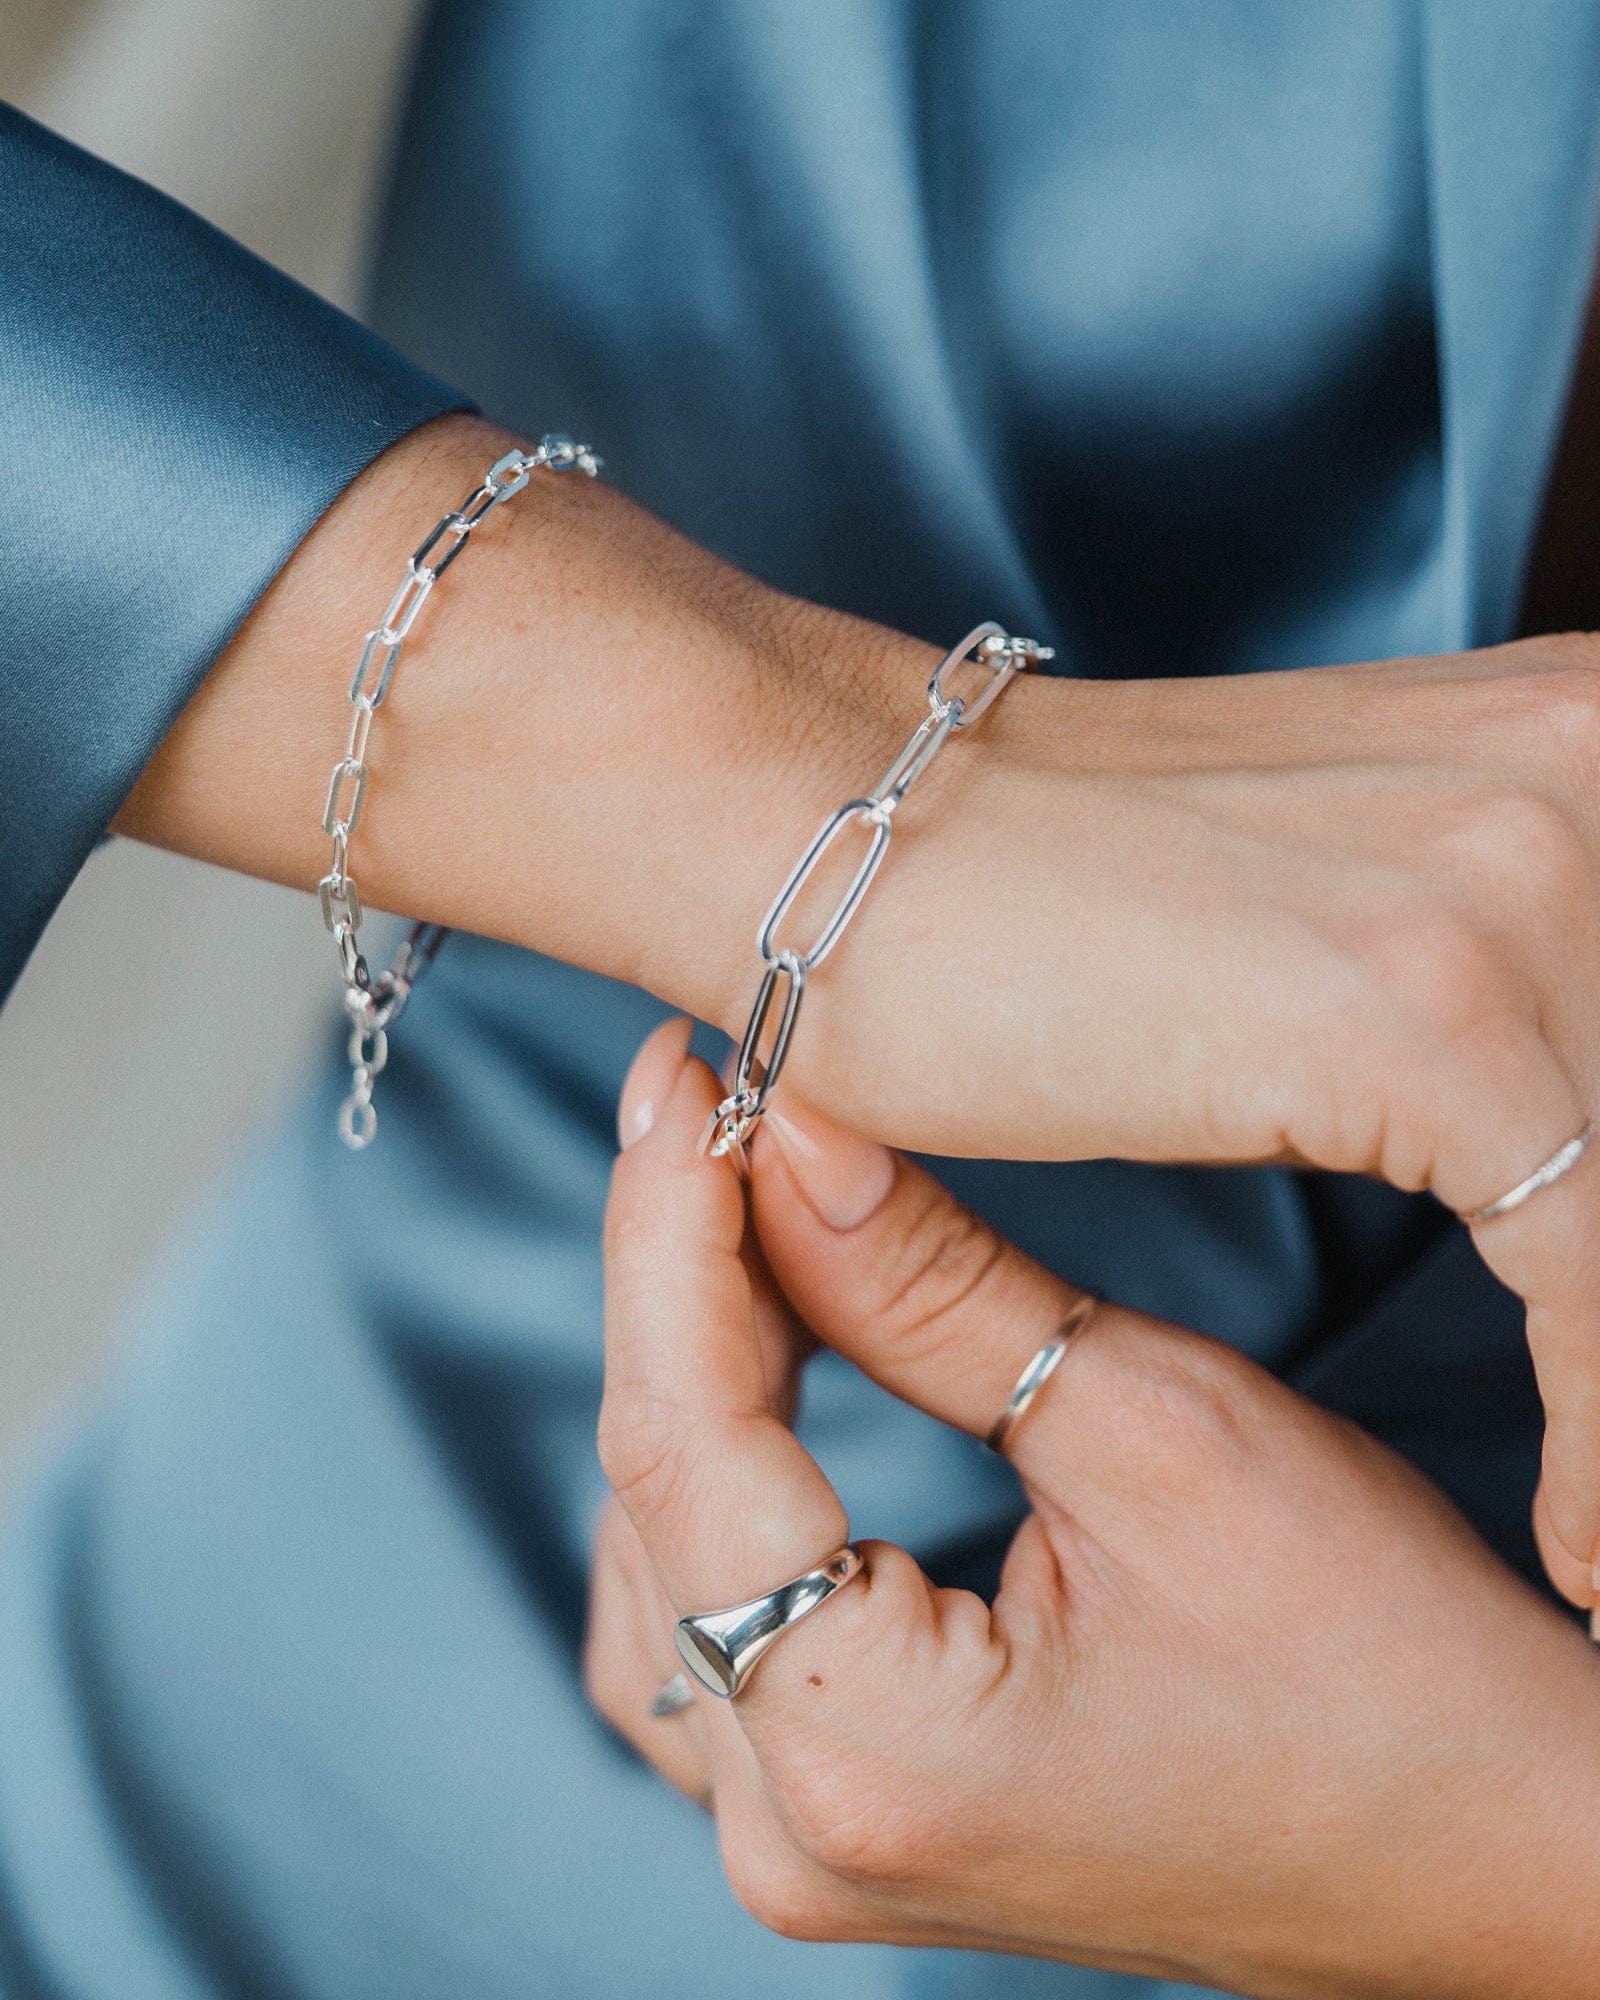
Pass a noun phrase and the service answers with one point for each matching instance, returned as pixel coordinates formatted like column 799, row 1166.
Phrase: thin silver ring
column 1560, row 1162
column 1038, row 1371
column 672, row 1697
column 720, row 1648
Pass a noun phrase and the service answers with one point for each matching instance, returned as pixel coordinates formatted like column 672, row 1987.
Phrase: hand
column 1349, row 916
column 1253, row 1707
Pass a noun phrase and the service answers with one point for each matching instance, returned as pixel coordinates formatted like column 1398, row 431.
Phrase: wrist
column 831, row 872
column 603, row 742
column 901, row 1022
column 689, row 729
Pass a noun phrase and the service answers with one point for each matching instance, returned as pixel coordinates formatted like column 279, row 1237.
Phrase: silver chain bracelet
column 755, row 1077
column 374, row 1004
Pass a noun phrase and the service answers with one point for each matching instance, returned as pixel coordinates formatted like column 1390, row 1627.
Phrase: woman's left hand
column 1253, row 1708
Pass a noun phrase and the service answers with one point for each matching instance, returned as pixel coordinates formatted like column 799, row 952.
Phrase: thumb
column 889, row 1269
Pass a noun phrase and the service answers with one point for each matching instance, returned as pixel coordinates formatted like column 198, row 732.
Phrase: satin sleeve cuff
column 174, row 416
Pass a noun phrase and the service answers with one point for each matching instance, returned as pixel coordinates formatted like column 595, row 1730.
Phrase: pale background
column 168, row 1003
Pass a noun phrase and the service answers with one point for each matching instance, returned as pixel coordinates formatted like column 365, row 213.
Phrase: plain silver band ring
column 1560, row 1162
column 1038, row 1371
column 721, row 1647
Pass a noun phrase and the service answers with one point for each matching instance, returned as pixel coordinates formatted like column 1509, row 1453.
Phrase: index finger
column 728, row 1502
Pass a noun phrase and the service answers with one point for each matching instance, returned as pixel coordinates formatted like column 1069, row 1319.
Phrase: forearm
column 602, row 743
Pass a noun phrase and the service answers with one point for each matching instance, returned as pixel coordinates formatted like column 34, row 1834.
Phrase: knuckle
column 1524, row 846
column 1439, row 977
column 777, row 1887
column 639, row 1448
column 1180, row 1407
column 658, row 1457
column 845, row 1824
column 944, row 1259
column 869, row 1818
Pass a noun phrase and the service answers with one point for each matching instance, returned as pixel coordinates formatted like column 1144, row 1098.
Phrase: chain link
column 374, row 1004
column 987, row 647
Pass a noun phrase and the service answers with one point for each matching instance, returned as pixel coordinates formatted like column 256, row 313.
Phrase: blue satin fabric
column 174, row 414
column 1194, row 339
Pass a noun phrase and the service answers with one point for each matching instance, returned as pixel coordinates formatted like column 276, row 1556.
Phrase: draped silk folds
column 1191, row 339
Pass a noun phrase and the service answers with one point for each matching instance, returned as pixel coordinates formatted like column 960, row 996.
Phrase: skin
column 1349, row 916
column 1254, row 1708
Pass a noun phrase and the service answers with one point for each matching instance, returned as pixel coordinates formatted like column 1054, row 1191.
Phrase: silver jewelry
column 1038, row 1371
column 721, row 1647
column 1560, row 1162
column 375, row 1003
column 731, row 1125
column 672, row 1697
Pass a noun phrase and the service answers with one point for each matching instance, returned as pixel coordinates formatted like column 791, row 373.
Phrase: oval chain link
column 988, row 646
column 375, row 1003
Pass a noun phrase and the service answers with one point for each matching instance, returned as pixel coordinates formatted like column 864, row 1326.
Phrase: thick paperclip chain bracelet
column 374, row 1003
column 755, row 1076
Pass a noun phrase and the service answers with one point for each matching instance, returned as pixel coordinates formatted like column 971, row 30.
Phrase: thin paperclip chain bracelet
column 755, row 1077
column 375, row 1003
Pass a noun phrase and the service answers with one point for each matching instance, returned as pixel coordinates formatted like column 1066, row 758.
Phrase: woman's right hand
column 1253, row 1706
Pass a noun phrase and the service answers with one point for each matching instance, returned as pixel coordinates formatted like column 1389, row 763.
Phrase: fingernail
column 843, row 1176
column 656, row 1068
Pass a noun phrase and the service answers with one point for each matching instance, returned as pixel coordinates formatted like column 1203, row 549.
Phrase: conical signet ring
column 720, row 1648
